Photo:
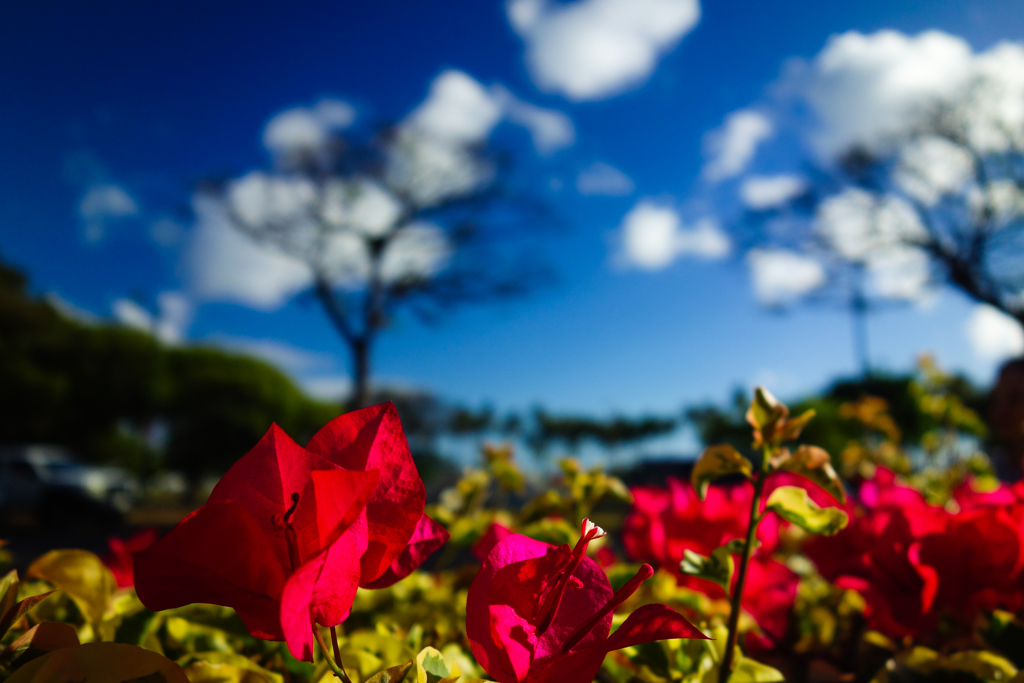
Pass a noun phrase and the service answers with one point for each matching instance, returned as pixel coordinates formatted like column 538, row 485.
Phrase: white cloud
column 101, row 203
column 131, row 314
column 550, row 129
column 730, row 148
column 766, row 192
column 169, row 325
column 780, row 276
column 603, row 179
column 653, row 236
column 592, row 49
column 70, row 310
column 360, row 204
column 879, row 233
column 457, row 110
column 327, row 387
column 224, row 264
column 870, row 90
column 417, row 251
column 994, row 335
column 432, row 158
column 283, row 355
column 300, row 131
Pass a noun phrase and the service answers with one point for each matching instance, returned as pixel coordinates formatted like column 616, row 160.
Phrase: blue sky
column 149, row 99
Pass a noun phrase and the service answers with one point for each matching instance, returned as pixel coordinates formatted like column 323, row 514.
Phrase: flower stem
column 737, row 594
column 336, row 666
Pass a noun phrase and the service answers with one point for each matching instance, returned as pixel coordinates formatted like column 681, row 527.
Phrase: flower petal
column 218, row 555
column 372, row 439
column 650, row 623
column 264, row 480
column 427, row 538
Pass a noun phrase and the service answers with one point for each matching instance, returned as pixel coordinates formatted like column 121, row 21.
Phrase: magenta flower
column 541, row 613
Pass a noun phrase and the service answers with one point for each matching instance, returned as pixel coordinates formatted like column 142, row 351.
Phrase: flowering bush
column 310, row 563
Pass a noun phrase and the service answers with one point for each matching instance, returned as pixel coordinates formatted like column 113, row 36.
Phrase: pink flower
column 541, row 613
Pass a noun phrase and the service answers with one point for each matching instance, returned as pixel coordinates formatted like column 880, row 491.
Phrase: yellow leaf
column 82, row 576
column 209, row 667
column 718, row 461
column 794, row 505
column 748, row 671
column 99, row 663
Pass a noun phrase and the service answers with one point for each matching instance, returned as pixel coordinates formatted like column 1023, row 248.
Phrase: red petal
column 322, row 590
column 264, row 480
column 576, row 667
column 372, row 439
column 427, row 538
column 650, row 623
column 330, row 503
column 336, row 586
column 217, row 555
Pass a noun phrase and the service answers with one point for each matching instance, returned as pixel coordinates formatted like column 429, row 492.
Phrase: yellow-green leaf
column 814, row 463
column 718, row 568
column 221, row 666
column 99, row 663
column 794, row 505
column 765, row 410
column 393, row 674
column 718, row 461
column 82, row 576
column 746, row 670
column 431, row 667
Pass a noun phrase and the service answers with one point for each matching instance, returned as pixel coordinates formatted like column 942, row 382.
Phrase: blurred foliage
column 107, row 392
column 929, row 409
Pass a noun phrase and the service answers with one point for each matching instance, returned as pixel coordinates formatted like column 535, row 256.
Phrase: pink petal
column 576, row 667
column 372, row 439
column 335, row 587
column 295, row 614
column 330, row 503
column 217, row 555
column 427, row 538
column 494, row 535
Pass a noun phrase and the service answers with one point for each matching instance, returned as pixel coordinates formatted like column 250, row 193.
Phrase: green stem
column 337, row 667
column 737, row 594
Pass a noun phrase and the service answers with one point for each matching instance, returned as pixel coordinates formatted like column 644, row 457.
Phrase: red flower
column 665, row 522
column 120, row 561
column 290, row 533
column 540, row 613
column 879, row 554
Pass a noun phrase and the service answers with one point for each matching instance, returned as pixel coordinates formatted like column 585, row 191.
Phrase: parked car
column 48, row 483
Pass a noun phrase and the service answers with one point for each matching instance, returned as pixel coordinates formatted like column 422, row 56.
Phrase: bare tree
column 406, row 219
column 939, row 202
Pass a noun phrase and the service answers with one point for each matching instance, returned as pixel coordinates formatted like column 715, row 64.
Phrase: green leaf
column 393, row 674
column 718, row 461
column 718, row 568
column 213, row 666
column 815, row 464
column 794, row 505
column 431, row 667
column 746, row 670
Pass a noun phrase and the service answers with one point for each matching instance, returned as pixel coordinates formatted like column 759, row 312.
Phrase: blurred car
column 48, row 483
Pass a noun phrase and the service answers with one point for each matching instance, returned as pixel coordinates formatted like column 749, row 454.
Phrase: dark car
column 47, row 485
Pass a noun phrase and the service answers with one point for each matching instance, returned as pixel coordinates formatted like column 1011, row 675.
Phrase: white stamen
column 589, row 526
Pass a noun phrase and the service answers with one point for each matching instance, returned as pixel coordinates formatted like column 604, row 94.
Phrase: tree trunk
column 360, row 397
